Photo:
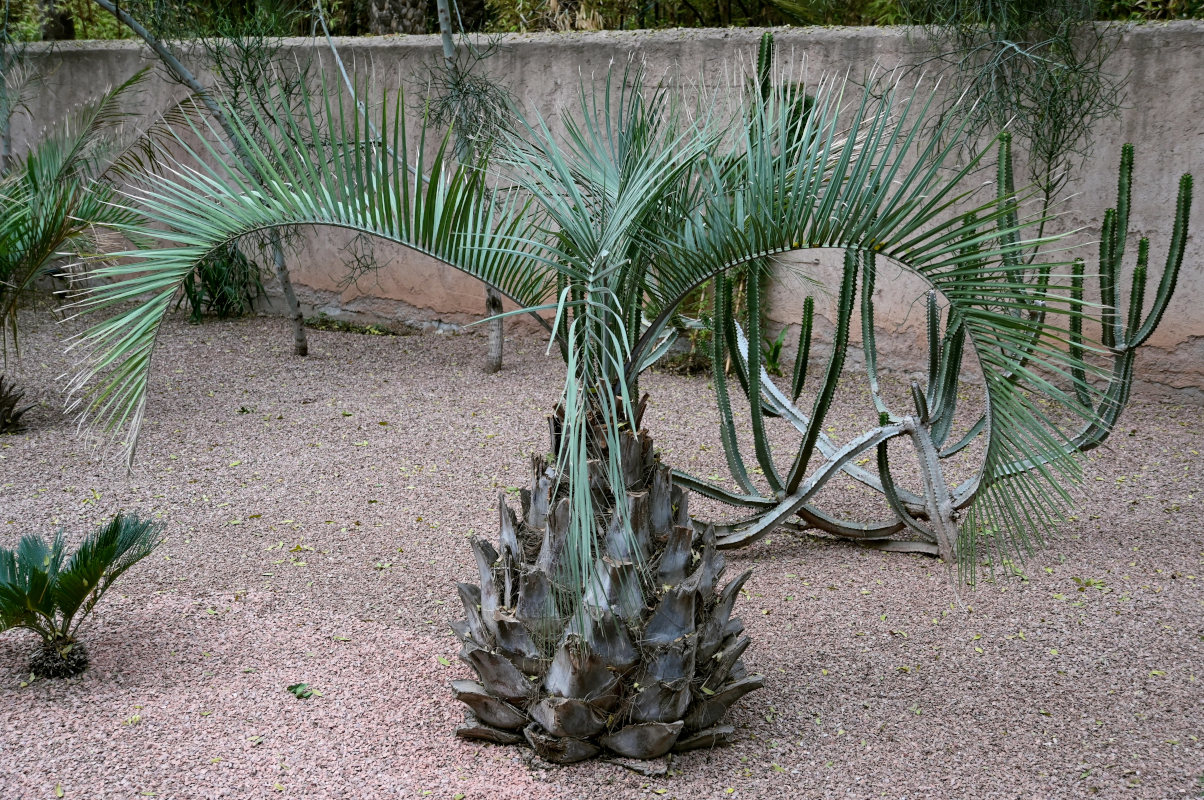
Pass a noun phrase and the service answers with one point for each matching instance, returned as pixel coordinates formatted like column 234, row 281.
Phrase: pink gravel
column 316, row 514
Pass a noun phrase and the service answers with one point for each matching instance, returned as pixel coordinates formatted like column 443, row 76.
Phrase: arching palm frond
column 800, row 184
column 614, row 225
column 319, row 169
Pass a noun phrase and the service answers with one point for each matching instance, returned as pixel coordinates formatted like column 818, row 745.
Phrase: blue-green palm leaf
column 614, row 225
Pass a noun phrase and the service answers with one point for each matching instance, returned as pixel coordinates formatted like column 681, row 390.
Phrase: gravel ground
column 316, row 512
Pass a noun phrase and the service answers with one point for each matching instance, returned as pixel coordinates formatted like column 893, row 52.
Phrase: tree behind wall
column 396, row 16
column 1035, row 67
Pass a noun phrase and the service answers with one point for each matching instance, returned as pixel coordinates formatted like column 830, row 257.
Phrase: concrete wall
column 1163, row 117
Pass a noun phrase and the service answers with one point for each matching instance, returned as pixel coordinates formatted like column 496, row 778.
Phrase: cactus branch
column 803, row 355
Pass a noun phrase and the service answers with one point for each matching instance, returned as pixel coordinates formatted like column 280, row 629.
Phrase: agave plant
column 50, row 593
column 600, row 622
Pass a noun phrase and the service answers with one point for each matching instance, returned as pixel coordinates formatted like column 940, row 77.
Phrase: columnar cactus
column 1001, row 310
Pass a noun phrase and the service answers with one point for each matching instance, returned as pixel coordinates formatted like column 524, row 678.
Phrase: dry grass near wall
column 317, row 512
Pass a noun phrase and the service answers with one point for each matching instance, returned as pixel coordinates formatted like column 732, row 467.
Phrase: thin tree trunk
column 6, row 149
column 184, row 76
column 493, row 307
column 300, row 341
column 493, row 300
column 57, row 25
column 445, row 32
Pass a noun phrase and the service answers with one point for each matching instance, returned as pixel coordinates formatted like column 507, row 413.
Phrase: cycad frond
column 101, row 559
column 27, row 583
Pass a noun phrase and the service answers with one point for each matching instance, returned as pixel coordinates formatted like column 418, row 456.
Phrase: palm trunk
column 493, row 307
column 638, row 658
column 493, row 300
column 300, row 341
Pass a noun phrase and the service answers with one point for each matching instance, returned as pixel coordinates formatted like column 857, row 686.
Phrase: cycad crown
column 10, row 413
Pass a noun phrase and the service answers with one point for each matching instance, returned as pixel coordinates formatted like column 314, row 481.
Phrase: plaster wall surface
column 1164, row 65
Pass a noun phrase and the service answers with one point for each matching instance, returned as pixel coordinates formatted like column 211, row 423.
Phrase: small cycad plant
column 50, row 593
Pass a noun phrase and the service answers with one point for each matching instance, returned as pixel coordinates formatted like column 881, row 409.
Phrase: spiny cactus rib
column 869, row 344
column 859, row 531
column 1108, row 269
column 835, row 364
column 1137, row 289
column 920, row 401
column 739, row 363
column 749, row 530
column 1124, row 185
column 638, row 668
column 765, row 65
column 803, row 355
column 944, row 404
column 760, row 440
column 1174, row 260
column 934, row 347
column 941, row 506
column 716, row 492
column 1078, row 374
column 892, row 498
column 1005, row 192
column 727, row 426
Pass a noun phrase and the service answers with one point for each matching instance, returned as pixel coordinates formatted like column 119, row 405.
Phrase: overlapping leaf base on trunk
column 648, row 663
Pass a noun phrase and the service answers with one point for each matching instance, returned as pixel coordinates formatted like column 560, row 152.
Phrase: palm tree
column 600, row 621
column 55, row 202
